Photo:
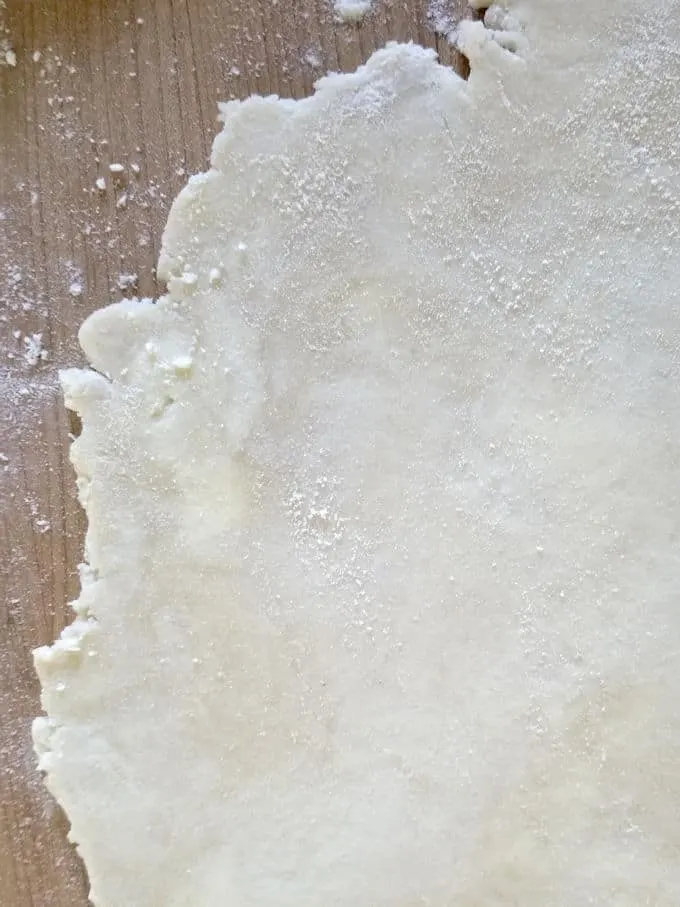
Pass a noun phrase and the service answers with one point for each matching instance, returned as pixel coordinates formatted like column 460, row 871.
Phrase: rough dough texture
column 381, row 604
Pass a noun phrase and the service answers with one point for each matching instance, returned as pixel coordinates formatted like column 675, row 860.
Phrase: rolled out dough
column 381, row 598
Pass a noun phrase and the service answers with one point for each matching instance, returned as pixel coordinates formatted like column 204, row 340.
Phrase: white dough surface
column 381, row 602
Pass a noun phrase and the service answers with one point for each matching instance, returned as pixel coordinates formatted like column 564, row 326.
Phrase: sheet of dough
column 381, row 604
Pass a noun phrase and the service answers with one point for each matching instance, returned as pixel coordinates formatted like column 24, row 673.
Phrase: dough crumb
column 351, row 10
column 100, row 183
column 7, row 55
column 127, row 281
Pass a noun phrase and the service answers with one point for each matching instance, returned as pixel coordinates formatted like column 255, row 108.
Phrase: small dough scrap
column 351, row 10
column 381, row 598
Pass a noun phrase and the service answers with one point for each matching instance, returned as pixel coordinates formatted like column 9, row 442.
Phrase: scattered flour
column 440, row 18
column 34, row 352
column 7, row 55
column 312, row 58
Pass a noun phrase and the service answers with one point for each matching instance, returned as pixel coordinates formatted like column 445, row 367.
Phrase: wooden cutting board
column 135, row 83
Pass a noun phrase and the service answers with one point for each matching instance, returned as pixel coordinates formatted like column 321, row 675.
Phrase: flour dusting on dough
column 381, row 594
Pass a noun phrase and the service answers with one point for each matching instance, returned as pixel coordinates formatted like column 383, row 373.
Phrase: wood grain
column 134, row 82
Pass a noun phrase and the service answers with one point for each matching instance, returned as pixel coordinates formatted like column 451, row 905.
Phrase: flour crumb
column 75, row 289
column 34, row 351
column 116, row 169
column 100, row 183
column 351, row 10
column 312, row 59
column 36, row 56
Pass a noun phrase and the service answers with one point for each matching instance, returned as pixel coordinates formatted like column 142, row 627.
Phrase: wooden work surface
column 134, row 82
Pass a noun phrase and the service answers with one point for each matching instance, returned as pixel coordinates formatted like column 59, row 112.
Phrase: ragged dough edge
column 369, row 90
column 86, row 392
column 348, row 94
column 394, row 66
column 82, row 388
